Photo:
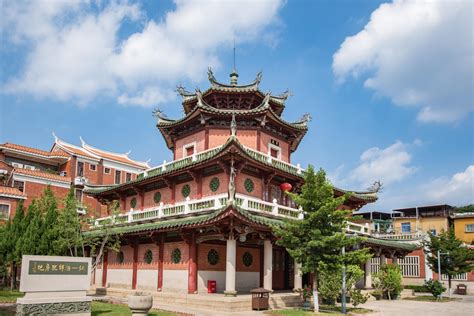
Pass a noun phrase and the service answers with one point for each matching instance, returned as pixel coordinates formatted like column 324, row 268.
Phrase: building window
column 120, row 257
column 406, row 228
column 118, row 175
column 176, row 256
column 80, row 169
column 274, row 151
column 128, row 177
column 212, row 257
column 433, row 232
column 107, row 170
column 79, row 195
column 469, row 228
column 20, row 185
column 189, row 149
column 92, row 167
column 148, row 258
column 4, row 211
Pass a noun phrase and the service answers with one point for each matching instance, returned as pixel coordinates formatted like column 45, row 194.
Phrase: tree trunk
column 449, row 285
column 315, row 292
column 12, row 276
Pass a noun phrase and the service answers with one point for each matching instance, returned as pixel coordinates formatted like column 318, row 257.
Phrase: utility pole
column 343, row 294
column 439, row 270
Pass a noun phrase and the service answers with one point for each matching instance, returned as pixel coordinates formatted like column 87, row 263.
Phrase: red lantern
column 285, row 187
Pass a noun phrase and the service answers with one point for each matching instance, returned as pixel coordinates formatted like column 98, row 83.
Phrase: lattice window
column 457, row 277
column 410, row 266
column 374, row 265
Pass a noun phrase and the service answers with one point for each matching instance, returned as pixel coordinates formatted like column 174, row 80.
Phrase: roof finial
column 234, row 75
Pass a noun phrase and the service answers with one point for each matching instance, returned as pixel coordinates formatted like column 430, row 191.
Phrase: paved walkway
column 462, row 307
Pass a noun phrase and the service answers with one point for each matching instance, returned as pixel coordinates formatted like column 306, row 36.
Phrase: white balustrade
column 205, row 204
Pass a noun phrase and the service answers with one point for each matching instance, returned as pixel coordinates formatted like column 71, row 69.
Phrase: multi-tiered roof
column 215, row 107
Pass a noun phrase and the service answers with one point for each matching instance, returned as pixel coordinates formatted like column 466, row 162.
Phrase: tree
column 316, row 242
column 68, row 230
column 48, row 207
column 330, row 282
column 29, row 242
column 107, row 238
column 456, row 258
column 388, row 280
column 465, row 209
column 11, row 233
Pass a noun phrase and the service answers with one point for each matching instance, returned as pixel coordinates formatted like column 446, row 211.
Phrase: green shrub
column 330, row 283
column 417, row 288
column 358, row 298
column 388, row 280
column 436, row 288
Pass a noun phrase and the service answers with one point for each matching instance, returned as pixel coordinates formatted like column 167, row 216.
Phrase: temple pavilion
column 203, row 221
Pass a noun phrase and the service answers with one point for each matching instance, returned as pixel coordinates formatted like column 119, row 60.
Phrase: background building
column 25, row 172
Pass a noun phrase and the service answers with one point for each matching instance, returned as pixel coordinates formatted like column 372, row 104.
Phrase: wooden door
column 278, row 269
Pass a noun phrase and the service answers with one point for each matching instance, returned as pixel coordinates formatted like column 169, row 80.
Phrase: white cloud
column 418, row 53
column 457, row 189
column 76, row 52
column 389, row 165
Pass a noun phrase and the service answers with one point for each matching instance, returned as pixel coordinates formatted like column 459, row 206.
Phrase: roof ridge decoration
column 216, row 84
column 88, row 147
column 63, row 145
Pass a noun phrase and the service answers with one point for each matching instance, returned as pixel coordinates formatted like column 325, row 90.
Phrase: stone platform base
column 64, row 306
column 215, row 302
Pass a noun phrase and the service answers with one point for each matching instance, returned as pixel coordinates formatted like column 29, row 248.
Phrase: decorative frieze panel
column 53, row 308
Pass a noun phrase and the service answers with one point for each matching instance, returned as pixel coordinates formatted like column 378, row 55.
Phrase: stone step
column 216, row 302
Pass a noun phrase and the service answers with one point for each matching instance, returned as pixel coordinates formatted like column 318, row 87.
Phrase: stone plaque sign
column 58, row 267
column 54, row 285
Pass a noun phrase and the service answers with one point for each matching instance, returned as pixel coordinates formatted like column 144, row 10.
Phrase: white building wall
column 175, row 281
column 147, row 280
column 204, row 276
column 246, row 281
column 121, row 278
column 98, row 277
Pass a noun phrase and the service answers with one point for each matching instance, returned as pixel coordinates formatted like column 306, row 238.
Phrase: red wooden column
column 192, row 264
column 161, row 251
column 135, row 264
column 104, row 269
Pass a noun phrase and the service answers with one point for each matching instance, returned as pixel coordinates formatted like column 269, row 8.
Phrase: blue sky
column 389, row 85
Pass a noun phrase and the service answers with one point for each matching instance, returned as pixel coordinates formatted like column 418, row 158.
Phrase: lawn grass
column 7, row 296
column 98, row 308
column 428, row 298
column 324, row 310
column 102, row 309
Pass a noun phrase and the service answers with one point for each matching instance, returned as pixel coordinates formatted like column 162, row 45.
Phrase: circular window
column 186, row 190
column 213, row 257
column 157, row 197
column 214, row 184
column 148, row 256
column 176, row 256
column 247, row 259
column 249, row 186
column 120, row 257
column 133, row 202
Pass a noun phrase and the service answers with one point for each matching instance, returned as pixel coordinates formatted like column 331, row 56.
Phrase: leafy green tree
column 388, row 280
column 9, row 254
column 29, row 242
column 108, row 239
column 68, row 229
column 456, row 258
column 465, row 209
column 330, row 282
column 316, row 242
column 48, row 207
